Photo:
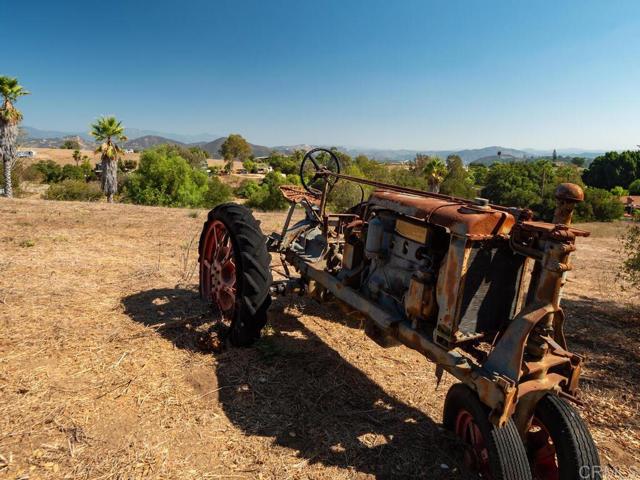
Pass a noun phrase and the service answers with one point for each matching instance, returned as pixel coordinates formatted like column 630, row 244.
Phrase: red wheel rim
column 476, row 454
column 218, row 269
column 542, row 452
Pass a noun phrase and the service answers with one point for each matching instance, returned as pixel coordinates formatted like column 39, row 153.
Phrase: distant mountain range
column 142, row 139
column 34, row 133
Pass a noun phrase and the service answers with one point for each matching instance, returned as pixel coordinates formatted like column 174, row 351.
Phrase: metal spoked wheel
column 496, row 453
column 542, row 452
column 314, row 163
column 476, row 454
column 235, row 276
column 219, row 267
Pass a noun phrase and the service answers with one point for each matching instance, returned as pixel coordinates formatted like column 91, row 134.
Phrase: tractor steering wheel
column 314, row 167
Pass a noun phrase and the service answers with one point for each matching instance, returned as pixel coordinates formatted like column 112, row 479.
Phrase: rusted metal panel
column 412, row 231
column 459, row 218
column 449, row 288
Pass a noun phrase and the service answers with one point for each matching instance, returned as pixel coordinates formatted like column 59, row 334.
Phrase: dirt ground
column 91, row 387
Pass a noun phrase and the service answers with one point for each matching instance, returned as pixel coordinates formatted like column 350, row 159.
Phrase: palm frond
column 106, row 128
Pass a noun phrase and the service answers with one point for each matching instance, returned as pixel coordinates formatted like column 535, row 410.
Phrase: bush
column 195, row 156
column 74, row 190
column 619, row 191
column 250, row 166
column 71, row 172
column 51, row 172
column 599, row 205
column 634, row 187
column 217, row 193
column 165, row 178
column 283, row 163
column 268, row 195
column 246, row 188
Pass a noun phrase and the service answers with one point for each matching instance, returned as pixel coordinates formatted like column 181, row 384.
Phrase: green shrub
column 217, row 193
column 634, row 187
column 268, row 195
column 283, row 163
column 165, row 178
column 619, row 191
column 246, row 188
column 51, row 172
column 600, row 205
column 71, row 172
column 250, row 166
column 74, row 190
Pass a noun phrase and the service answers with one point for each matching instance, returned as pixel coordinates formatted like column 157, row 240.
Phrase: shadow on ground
column 608, row 334
column 295, row 388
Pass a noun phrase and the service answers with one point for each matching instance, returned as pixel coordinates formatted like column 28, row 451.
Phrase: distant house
column 631, row 203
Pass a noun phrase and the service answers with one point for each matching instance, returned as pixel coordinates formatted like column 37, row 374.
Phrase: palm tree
column 77, row 157
column 104, row 130
column 10, row 117
column 432, row 168
column 435, row 171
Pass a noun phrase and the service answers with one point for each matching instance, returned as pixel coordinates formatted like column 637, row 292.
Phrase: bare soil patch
column 90, row 388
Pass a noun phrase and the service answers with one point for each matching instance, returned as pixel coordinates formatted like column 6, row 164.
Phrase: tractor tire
column 559, row 444
column 235, row 274
column 495, row 453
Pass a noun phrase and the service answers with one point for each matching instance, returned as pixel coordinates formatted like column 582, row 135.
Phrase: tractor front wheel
column 495, row 453
column 235, row 275
column 559, row 444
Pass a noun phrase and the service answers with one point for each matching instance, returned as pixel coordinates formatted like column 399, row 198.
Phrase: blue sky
column 388, row 74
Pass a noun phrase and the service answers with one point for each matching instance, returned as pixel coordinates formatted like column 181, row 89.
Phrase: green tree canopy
column 235, row 147
column 634, row 187
column 458, row 181
column 70, row 144
column 613, row 169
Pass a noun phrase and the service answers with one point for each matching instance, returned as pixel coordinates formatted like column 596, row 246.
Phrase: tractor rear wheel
column 235, row 275
column 559, row 444
column 495, row 453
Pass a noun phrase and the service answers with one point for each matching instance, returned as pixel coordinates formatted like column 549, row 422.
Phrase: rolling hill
column 148, row 141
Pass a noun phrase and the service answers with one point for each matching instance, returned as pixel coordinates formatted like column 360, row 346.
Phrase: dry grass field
column 64, row 156
column 92, row 386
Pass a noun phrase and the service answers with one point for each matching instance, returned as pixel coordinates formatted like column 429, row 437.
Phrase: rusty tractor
column 472, row 286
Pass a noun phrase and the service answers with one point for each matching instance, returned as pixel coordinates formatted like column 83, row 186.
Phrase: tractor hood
column 476, row 222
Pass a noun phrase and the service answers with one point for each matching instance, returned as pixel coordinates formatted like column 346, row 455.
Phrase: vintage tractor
column 474, row 287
